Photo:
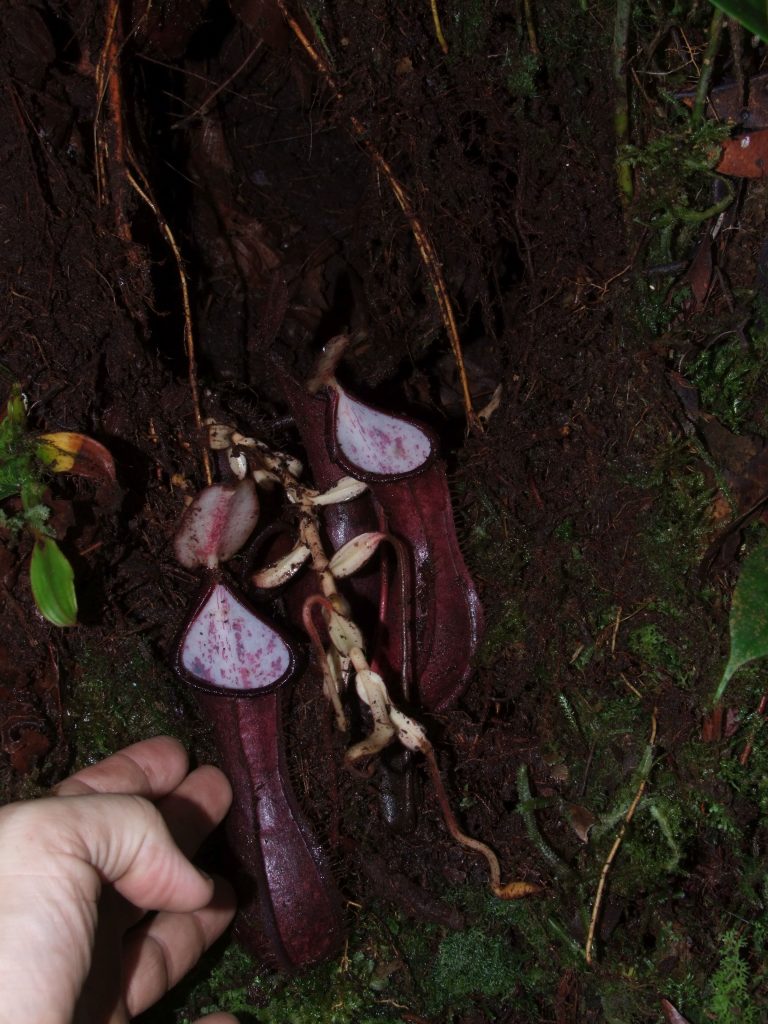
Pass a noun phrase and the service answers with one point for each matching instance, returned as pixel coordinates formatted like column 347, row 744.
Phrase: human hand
column 80, row 869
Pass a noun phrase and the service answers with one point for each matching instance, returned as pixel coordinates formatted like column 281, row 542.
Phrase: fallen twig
column 645, row 768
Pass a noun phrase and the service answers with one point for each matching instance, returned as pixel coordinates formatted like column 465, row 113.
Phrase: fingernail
column 205, row 875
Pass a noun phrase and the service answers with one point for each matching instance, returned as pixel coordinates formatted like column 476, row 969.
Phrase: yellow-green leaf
column 66, row 452
column 53, row 583
column 749, row 615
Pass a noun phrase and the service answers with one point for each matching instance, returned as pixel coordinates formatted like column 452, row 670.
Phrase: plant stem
column 526, row 810
column 707, row 67
column 621, row 113
column 509, row 890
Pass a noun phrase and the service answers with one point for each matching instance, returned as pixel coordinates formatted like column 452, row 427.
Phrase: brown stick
column 615, row 849
column 424, row 243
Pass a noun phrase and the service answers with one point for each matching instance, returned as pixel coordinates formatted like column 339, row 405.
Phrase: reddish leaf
column 581, row 819
column 725, row 102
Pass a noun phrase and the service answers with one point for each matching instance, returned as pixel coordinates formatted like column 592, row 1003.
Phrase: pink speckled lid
column 374, row 444
column 227, row 646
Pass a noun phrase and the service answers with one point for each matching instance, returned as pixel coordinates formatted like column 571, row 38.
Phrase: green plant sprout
column 26, row 460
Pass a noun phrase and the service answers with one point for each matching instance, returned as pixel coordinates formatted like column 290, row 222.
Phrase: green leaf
column 749, row 615
column 753, row 14
column 53, row 583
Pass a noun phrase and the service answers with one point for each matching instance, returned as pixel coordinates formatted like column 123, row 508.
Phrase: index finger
column 151, row 768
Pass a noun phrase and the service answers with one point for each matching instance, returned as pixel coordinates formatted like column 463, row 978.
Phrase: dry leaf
column 581, row 820
column 518, row 890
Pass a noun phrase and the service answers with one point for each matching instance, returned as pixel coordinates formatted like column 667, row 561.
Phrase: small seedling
column 26, row 461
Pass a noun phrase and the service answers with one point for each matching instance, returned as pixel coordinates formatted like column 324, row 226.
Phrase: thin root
column 506, row 890
column 189, row 338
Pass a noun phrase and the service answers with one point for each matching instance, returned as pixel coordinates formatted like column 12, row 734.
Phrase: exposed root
column 108, row 129
column 189, row 338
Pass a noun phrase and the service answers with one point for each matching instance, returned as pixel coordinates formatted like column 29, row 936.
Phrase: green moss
column 230, row 983
column 520, row 71
column 472, row 963
column 467, row 27
column 728, row 374
column 749, row 781
column 330, row 994
column 502, row 958
column 119, row 695
column 344, row 991
column 657, row 304
column 495, row 551
column 565, row 530
column 652, row 646
column 674, row 171
column 674, row 532
column 505, row 630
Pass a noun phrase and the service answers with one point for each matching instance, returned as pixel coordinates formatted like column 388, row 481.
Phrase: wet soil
column 129, row 131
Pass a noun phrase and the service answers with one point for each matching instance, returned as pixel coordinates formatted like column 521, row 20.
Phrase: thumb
column 217, row 1018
